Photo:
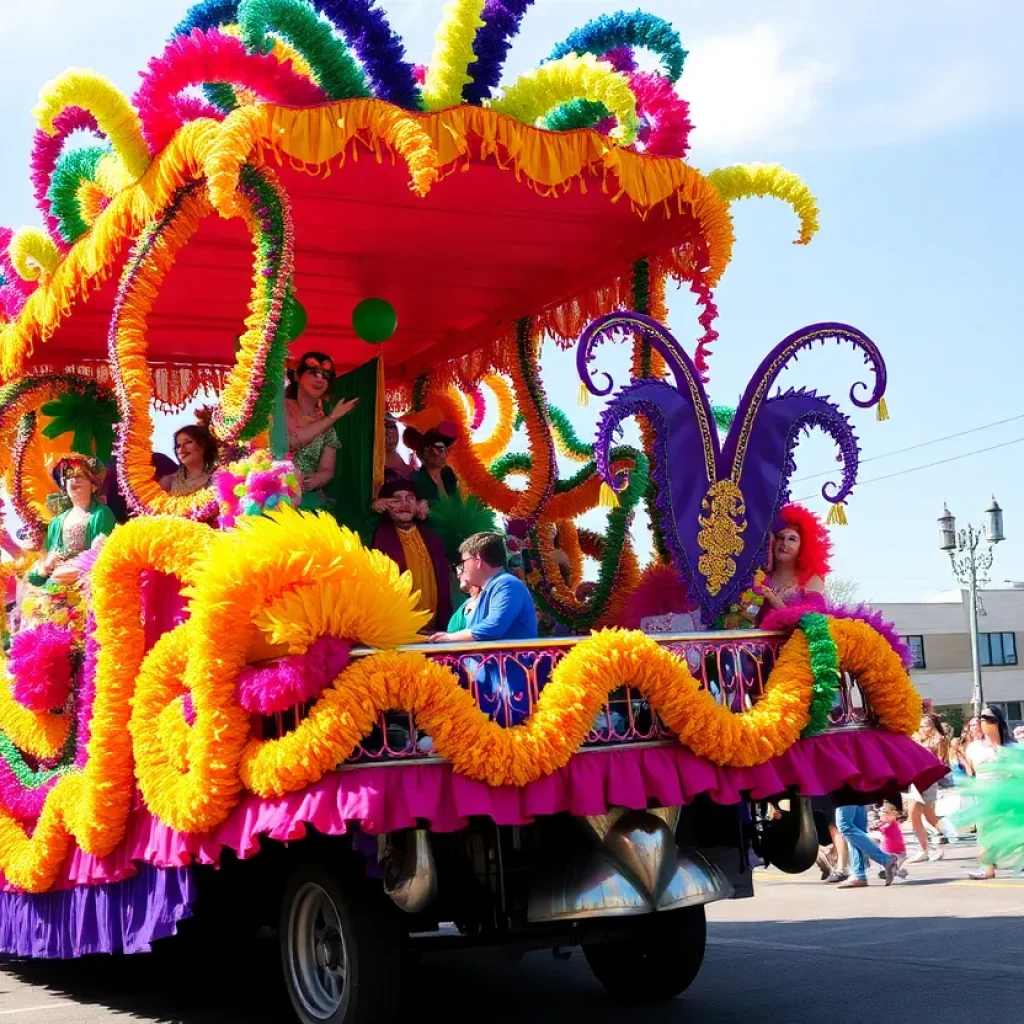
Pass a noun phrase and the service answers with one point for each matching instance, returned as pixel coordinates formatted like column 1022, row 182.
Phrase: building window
column 998, row 648
column 916, row 645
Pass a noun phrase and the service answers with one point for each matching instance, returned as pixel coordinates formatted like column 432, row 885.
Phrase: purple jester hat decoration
column 717, row 504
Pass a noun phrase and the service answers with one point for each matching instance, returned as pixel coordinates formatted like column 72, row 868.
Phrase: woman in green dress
column 312, row 439
column 54, row 593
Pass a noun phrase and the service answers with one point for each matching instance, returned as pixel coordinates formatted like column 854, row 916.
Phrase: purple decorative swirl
column 612, row 325
column 794, row 412
column 501, row 23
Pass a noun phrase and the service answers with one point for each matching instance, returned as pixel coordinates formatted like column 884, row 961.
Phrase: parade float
column 227, row 682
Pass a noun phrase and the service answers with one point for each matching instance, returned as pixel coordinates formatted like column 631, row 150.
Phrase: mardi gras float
column 206, row 674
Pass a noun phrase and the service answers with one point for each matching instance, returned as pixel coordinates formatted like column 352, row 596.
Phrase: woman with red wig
column 798, row 560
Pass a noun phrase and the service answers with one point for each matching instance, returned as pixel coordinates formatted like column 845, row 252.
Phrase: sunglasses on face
column 991, row 719
column 322, row 374
column 437, row 446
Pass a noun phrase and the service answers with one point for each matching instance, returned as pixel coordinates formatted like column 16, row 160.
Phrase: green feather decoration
column 824, row 658
column 454, row 518
column 87, row 417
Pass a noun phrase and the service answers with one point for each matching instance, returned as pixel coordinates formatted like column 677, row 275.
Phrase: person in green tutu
column 312, row 439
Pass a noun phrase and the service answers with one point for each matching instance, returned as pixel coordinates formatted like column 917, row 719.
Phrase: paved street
column 933, row 949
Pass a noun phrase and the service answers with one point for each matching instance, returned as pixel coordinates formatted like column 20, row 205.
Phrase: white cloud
column 746, row 87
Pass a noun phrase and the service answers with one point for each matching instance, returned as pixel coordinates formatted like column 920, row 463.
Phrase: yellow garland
column 130, row 348
column 38, row 733
column 291, row 577
column 574, row 76
column 867, row 656
column 115, row 116
column 453, row 53
column 501, row 436
column 92, row 806
column 742, row 181
column 33, row 253
column 481, row 749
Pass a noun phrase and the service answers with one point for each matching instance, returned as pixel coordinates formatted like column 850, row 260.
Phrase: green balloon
column 374, row 320
column 293, row 318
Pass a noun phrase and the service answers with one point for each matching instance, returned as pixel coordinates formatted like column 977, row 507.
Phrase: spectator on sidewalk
column 852, row 820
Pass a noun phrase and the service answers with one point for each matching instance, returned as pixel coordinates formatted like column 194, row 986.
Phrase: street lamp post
column 971, row 564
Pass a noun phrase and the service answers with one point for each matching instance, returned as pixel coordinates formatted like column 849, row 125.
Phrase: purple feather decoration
column 493, row 40
column 380, row 51
column 788, row 618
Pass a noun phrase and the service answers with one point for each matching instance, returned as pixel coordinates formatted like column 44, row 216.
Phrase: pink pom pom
column 667, row 132
column 212, row 56
column 292, row 680
column 661, row 591
column 41, row 662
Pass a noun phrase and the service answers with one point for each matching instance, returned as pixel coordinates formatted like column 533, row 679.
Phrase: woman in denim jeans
column 852, row 821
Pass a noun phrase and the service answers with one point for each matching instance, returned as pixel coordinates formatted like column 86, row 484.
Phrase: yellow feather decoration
column 453, row 53
column 572, row 77
column 742, row 181
column 115, row 116
column 34, row 254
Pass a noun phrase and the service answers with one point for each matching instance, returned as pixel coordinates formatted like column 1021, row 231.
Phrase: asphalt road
column 933, row 949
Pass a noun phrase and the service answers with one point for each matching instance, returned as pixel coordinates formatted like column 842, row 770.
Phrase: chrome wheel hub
column 317, row 957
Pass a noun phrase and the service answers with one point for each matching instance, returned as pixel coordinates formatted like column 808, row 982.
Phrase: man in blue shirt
column 505, row 610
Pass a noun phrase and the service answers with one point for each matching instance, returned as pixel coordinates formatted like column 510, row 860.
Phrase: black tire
column 658, row 961
column 331, row 920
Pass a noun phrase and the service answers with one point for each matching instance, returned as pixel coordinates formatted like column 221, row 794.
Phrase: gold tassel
column 883, row 411
column 837, row 515
column 607, row 498
column 583, row 398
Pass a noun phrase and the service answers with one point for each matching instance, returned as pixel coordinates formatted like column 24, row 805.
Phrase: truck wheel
column 656, row 962
column 341, row 952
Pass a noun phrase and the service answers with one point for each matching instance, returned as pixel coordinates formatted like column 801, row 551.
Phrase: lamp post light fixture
column 971, row 563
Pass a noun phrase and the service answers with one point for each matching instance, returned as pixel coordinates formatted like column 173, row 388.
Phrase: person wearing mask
column 982, row 757
column 312, row 439
column 435, row 478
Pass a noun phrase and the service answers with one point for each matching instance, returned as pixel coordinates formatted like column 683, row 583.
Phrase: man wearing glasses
column 505, row 610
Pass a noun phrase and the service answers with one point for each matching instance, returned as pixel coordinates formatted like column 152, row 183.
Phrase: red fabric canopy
column 460, row 265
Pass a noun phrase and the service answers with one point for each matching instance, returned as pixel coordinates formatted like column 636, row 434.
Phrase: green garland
column 824, row 658
column 334, row 68
column 420, row 387
column 269, row 244
column 71, row 170
column 454, row 518
column 724, row 415
column 579, row 113
column 221, row 94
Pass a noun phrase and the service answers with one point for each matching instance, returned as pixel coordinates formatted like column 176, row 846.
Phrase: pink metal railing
column 506, row 678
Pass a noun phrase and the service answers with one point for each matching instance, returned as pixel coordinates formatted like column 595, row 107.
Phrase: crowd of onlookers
column 847, row 832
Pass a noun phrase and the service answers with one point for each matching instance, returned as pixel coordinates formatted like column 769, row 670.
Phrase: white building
column 939, row 634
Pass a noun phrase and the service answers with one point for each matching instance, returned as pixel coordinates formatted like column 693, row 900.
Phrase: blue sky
column 905, row 120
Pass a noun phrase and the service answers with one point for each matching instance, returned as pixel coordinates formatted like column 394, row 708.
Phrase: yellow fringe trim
column 431, row 144
column 883, row 410
column 448, row 72
column 574, row 76
column 115, row 116
column 745, row 180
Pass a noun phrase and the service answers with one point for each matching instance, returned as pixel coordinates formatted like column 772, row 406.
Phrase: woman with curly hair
column 798, row 560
